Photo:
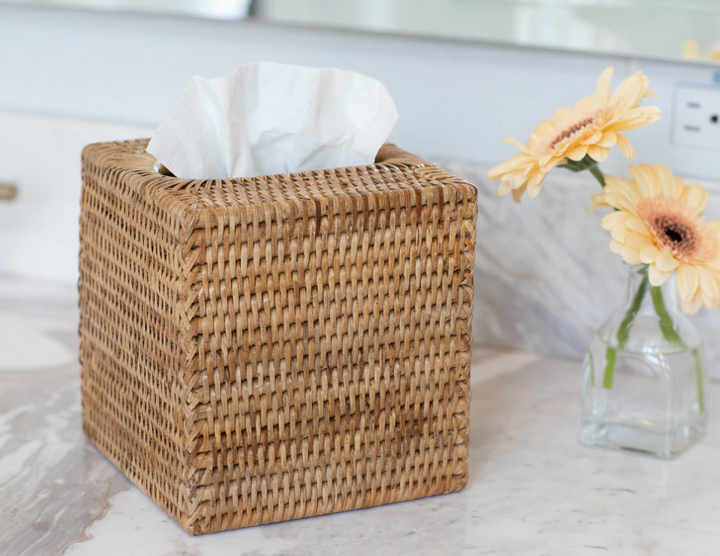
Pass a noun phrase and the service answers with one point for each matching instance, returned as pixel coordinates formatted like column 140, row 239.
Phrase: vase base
column 635, row 438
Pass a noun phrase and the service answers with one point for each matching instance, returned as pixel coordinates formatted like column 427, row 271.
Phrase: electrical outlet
column 697, row 117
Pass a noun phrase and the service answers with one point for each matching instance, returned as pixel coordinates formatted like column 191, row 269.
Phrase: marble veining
column 533, row 490
column 53, row 483
column 545, row 278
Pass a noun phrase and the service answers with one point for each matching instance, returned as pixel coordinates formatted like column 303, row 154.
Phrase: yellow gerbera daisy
column 591, row 128
column 691, row 49
column 713, row 52
column 658, row 222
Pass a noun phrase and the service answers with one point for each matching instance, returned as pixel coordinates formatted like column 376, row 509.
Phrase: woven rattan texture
column 265, row 349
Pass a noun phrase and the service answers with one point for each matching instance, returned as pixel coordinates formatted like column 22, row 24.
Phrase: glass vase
column 643, row 377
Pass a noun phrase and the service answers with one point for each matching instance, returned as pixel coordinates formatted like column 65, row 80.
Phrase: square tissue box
column 265, row 349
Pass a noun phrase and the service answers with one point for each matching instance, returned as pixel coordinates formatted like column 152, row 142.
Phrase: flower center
column 571, row 130
column 673, row 228
column 675, row 234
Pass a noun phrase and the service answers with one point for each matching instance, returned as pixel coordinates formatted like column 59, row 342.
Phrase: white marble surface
column 533, row 490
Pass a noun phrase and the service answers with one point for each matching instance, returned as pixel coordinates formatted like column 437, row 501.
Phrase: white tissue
column 267, row 118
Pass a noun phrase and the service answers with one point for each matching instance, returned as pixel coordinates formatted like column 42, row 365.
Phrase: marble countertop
column 533, row 490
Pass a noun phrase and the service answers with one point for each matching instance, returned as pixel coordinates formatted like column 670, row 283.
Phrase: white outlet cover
column 696, row 117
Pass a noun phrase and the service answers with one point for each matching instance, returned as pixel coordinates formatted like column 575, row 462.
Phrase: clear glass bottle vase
column 643, row 377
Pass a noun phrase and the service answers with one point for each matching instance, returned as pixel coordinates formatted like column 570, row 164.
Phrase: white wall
column 455, row 99
column 81, row 71
column 39, row 230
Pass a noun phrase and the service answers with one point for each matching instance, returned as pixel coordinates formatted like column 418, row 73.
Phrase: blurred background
column 464, row 75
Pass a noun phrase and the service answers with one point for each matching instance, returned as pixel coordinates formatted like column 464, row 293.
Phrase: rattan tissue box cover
column 265, row 349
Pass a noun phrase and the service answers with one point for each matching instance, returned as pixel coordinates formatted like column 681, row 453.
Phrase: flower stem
column 595, row 171
column 609, row 375
column 666, row 323
column 587, row 163
column 624, row 332
column 670, row 333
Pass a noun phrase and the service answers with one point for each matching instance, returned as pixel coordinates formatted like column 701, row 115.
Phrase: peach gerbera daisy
column 658, row 222
column 590, row 129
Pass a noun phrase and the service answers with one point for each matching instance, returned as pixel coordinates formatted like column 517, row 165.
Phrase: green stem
column 595, row 171
column 587, row 163
column 579, row 165
column 666, row 323
column 670, row 333
column 624, row 332
column 610, row 359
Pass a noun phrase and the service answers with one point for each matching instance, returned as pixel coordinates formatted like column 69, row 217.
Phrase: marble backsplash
column 545, row 279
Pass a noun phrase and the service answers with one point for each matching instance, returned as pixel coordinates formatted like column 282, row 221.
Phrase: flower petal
column 637, row 241
column 625, row 146
column 509, row 182
column 598, row 153
column 545, row 160
column 657, row 277
column 665, row 262
column 504, row 188
column 603, row 86
column 512, row 164
column 533, row 190
column 619, row 233
column 616, row 247
column 630, row 255
column 693, row 306
column 518, row 193
column 622, row 194
column 649, row 253
column 687, row 281
column 614, row 219
column 578, row 153
column 646, row 180
column 594, row 138
column 608, row 139
column 636, row 118
column 637, row 225
column 629, row 92
column 563, row 114
column 598, row 201
column 668, row 186
column 518, row 144
column 708, row 287
column 696, row 198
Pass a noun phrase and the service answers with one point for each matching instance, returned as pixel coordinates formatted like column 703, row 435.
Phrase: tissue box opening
column 387, row 154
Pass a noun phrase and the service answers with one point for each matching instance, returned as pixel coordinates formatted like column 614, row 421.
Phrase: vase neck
column 638, row 283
